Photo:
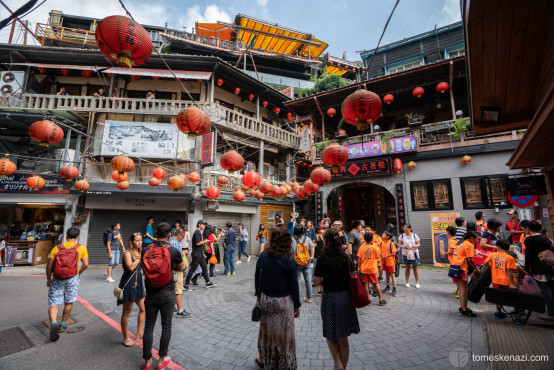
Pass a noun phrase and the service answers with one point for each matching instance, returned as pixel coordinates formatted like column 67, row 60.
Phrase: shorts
column 370, row 278
column 410, row 262
column 263, row 240
column 114, row 261
column 464, row 277
column 179, row 283
column 390, row 269
column 63, row 291
column 498, row 286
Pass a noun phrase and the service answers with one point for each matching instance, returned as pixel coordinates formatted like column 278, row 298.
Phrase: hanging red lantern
column 251, row 179
column 310, row 186
column 289, row 116
column 265, row 104
column 320, row 176
column 276, row 191
column 123, row 41
column 155, row 78
column 135, row 77
column 46, row 132
column 122, row 163
column 119, row 176
column 331, row 112
column 239, row 196
column 418, row 91
column 442, row 87
column 122, row 185
column 219, row 82
column 334, row 155
column 466, row 159
column 222, row 181
column 213, row 192
column 159, row 173
column 290, row 119
column 194, row 177
column 361, row 108
column 42, row 69
column 154, row 182
column 231, row 161
column 176, row 183
column 65, row 71
column 284, row 190
column 81, row 185
column 237, row 90
column 304, row 164
column 7, row 167
column 258, row 194
column 193, row 121
column 252, row 192
column 35, row 182
column 301, row 193
column 86, row 73
column 411, row 165
column 251, row 97
column 397, row 165
column 276, row 110
column 69, row 172
column 389, row 98
column 266, row 187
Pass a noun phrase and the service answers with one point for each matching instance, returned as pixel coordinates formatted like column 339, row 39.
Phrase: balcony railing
column 209, row 178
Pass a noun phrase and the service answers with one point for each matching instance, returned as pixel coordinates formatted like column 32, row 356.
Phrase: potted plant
column 414, row 118
column 460, row 126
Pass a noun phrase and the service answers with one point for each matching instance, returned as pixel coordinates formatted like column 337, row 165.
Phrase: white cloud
column 209, row 14
column 262, row 3
column 450, row 12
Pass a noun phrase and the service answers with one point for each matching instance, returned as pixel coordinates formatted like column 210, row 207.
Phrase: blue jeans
column 242, row 249
column 307, row 272
column 229, row 259
column 114, row 261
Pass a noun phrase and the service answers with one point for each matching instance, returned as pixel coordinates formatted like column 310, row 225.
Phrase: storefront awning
column 164, row 73
column 60, row 66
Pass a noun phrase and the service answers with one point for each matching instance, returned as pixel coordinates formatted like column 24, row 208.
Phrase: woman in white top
column 410, row 252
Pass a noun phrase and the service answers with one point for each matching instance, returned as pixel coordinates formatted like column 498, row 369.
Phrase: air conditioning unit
column 11, row 82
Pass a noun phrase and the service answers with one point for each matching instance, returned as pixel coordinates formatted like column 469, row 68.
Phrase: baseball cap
column 512, row 212
column 201, row 222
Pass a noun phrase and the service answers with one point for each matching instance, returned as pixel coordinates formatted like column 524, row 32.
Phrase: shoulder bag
column 358, row 295
column 257, row 310
column 117, row 291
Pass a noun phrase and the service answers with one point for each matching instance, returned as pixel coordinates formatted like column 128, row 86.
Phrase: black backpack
column 105, row 236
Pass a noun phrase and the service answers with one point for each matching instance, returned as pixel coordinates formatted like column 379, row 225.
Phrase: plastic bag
column 530, row 286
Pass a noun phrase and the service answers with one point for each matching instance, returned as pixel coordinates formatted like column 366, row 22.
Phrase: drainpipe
column 452, row 90
column 65, row 152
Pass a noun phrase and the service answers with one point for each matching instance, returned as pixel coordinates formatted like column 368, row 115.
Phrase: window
column 404, row 65
column 497, row 192
column 484, row 192
column 431, row 195
column 455, row 53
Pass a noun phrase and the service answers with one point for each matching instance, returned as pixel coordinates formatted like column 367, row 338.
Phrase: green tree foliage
column 326, row 83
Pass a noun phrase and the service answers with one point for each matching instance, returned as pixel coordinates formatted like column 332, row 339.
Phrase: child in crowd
column 462, row 255
column 368, row 257
column 452, row 242
column 388, row 253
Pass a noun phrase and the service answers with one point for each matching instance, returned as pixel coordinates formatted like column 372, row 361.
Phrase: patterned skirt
column 338, row 315
column 276, row 343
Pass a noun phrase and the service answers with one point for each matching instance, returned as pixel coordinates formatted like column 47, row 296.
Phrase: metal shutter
column 219, row 219
column 131, row 222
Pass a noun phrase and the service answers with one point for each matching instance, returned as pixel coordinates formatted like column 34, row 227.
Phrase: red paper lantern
column 154, row 181
column 284, row 190
column 237, row 90
column 122, row 185
column 155, row 78
column 361, row 108
column 331, row 112
column 194, row 177
column 265, row 104
column 304, row 164
column 397, row 165
column 389, row 98
column 466, row 159
column 276, row 192
column 411, row 165
column 334, row 155
column 46, row 132
column 81, row 185
column 251, row 97
column 119, row 176
column 123, row 41
column 193, row 121
column 310, row 186
column 219, row 82
column 35, row 182
column 213, row 192
column 159, row 173
column 258, row 194
column 69, row 172
column 231, row 161
column 320, row 176
column 276, row 110
column 239, row 196
column 135, row 77
column 252, row 192
column 251, row 179
column 442, row 87
column 418, row 91
column 302, row 192
column 122, row 163
column 266, row 187
column 176, row 183
column 65, row 71
column 222, row 181
column 289, row 115
column 87, row 73
column 42, row 69
column 290, row 118
column 7, row 167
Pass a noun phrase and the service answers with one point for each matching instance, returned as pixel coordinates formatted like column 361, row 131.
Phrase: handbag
column 186, row 262
column 213, row 260
column 455, row 272
column 257, row 310
column 358, row 295
column 410, row 256
column 118, row 292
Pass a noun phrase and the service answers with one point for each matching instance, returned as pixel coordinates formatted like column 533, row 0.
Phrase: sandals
column 139, row 337
column 307, row 300
column 128, row 343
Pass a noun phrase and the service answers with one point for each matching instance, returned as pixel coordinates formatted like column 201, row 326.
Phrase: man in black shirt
column 160, row 300
column 198, row 257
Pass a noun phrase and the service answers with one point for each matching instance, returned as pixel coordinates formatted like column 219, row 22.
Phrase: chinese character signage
column 208, row 148
column 17, row 183
column 400, row 207
column 439, row 223
column 373, row 148
column 370, row 167
column 318, row 206
column 340, row 205
column 378, row 204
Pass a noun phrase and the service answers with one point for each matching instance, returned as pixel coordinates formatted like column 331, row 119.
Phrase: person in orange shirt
column 524, row 225
column 388, row 253
column 368, row 257
column 462, row 255
column 377, row 241
column 452, row 242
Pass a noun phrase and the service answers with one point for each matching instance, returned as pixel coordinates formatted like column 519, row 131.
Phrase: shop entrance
column 371, row 203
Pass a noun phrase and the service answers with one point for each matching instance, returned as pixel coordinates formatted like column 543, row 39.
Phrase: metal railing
column 209, row 41
column 209, row 178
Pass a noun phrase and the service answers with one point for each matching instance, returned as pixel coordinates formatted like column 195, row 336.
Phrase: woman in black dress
column 337, row 313
column 133, row 288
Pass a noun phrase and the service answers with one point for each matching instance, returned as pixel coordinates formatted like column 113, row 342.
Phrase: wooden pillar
column 261, row 159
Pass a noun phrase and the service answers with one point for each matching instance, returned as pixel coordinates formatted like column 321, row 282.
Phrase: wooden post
column 452, row 91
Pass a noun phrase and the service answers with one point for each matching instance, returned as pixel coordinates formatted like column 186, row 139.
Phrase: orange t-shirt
column 451, row 246
column 522, row 240
column 377, row 239
column 461, row 253
column 387, row 248
column 369, row 255
column 500, row 262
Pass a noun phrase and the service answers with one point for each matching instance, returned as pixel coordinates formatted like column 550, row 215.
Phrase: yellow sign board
column 439, row 223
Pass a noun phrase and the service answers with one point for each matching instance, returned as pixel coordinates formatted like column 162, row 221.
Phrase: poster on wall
column 397, row 145
column 17, row 183
column 146, row 140
column 439, row 223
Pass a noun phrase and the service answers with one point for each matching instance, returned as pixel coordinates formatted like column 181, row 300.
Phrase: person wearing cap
column 513, row 228
column 342, row 236
column 292, row 223
column 198, row 242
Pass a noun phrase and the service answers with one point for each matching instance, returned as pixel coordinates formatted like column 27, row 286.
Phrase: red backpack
column 156, row 264
column 66, row 262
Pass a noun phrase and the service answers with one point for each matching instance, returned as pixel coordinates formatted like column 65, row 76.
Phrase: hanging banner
column 397, row 145
column 17, row 183
column 208, row 148
column 318, row 207
column 439, row 223
column 400, row 209
column 370, row 167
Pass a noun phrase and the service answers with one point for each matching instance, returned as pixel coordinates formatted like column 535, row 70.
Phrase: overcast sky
column 349, row 26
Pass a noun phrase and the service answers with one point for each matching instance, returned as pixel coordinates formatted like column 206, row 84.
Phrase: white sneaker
column 110, row 280
column 417, row 286
column 407, row 285
column 239, row 262
column 248, row 259
column 105, row 274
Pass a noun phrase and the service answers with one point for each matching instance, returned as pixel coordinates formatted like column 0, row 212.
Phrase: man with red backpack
column 63, row 265
column 159, row 260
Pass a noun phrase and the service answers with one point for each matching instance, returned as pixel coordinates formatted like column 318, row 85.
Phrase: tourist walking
column 310, row 230
column 229, row 250
column 513, row 229
column 354, row 240
column 461, row 229
column 243, row 240
column 262, row 237
column 133, row 288
column 301, row 243
column 208, row 252
column 62, row 279
column 410, row 253
column 317, row 252
column 337, row 313
column 198, row 258
column 185, row 246
column 149, row 234
column 160, row 293
column 277, row 288
column 462, row 257
column 113, row 242
column 176, row 226
column 175, row 242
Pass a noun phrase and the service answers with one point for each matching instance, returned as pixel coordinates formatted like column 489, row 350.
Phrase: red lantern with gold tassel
column 265, row 104
column 239, row 195
column 7, row 167
column 397, row 165
column 122, row 163
column 251, row 97
column 35, row 182
column 237, row 90
column 65, row 71
column 154, row 182
column 194, row 177
column 252, row 192
column 81, row 185
column 222, row 181
column 176, row 183
column 258, row 194
column 334, row 155
column 418, row 92
column 219, row 82
column 193, row 121
column 320, row 176
column 331, row 112
column 266, row 187
column 69, row 172
column 361, row 108
column 122, row 185
column 276, row 110
column 46, row 132
column 389, row 98
column 159, row 173
column 86, row 73
column 119, row 176
column 213, row 192
column 251, row 179
column 442, row 87
column 231, row 161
